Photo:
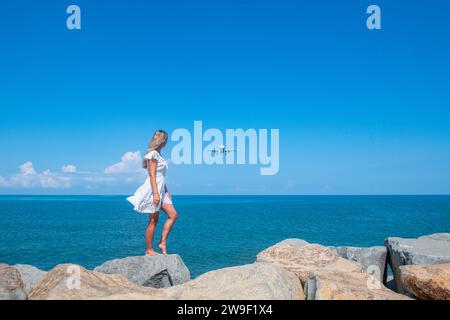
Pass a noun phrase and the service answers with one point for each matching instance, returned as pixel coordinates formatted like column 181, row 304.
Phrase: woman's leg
column 149, row 233
column 172, row 217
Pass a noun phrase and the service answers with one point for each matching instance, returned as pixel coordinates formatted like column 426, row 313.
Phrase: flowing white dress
column 142, row 200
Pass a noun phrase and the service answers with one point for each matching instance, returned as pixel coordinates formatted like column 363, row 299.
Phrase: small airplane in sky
column 222, row 149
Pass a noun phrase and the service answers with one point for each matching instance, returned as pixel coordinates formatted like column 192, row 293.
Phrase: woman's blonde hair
column 159, row 137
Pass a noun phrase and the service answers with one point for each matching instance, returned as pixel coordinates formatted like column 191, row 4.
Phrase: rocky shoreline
column 292, row 269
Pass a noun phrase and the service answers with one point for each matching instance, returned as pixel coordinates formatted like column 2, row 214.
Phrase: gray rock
column 372, row 258
column 11, row 285
column 431, row 249
column 30, row 275
column 150, row 271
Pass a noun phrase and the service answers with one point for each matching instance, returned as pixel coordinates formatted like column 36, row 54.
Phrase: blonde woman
column 153, row 196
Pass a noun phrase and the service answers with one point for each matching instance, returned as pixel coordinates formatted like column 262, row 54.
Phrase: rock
column 372, row 258
column 431, row 249
column 149, row 271
column 307, row 259
column 427, row 281
column 30, row 275
column 73, row 282
column 257, row 281
column 11, row 285
column 332, row 285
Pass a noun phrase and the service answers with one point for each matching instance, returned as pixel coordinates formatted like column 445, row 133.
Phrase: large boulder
column 306, row 260
column 30, row 275
column 11, row 285
column 372, row 258
column 427, row 282
column 348, row 286
column 257, row 281
column 431, row 249
column 73, row 282
column 149, row 271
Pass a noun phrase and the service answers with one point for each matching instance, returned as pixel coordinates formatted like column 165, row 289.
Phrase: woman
column 153, row 195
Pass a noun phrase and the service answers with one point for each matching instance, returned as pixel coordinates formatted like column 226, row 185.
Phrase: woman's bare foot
column 151, row 253
column 163, row 248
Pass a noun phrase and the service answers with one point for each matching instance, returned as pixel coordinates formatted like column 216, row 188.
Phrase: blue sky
column 359, row 111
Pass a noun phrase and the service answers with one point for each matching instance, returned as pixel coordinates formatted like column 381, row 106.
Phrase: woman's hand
column 156, row 199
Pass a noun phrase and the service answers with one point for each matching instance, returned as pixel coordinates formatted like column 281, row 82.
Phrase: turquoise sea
column 211, row 232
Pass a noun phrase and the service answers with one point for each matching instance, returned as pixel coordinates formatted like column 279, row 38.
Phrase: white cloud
column 127, row 170
column 27, row 168
column 28, row 178
column 54, row 180
column 69, row 168
column 131, row 162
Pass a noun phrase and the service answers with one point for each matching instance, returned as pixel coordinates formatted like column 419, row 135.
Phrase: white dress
column 142, row 200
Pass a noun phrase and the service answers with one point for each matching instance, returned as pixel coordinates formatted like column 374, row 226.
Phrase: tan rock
column 73, row 282
column 257, row 281
column 136, row 296
column 427, row 281
column 30, row 275
column 306, row 260
column 11, row 285
column 330, row 285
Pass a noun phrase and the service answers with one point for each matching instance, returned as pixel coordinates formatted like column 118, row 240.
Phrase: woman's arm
column 152, row 174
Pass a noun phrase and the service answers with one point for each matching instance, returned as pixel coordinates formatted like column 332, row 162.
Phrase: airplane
column 222, row 149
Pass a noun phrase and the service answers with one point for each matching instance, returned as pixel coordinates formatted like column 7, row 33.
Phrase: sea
column 212, row 232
